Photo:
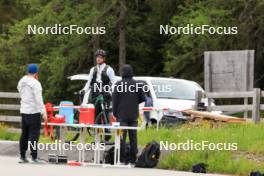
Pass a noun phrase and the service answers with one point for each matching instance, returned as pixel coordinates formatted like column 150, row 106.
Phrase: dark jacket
column 125, row 103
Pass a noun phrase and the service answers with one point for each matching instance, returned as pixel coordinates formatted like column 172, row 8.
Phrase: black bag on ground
column 149, row 157
column 256, row 173
column 199, row 168
column 110, row 154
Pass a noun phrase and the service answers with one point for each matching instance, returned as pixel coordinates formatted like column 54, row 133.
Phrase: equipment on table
column 67, row 109
column 58, row 119
column 49, row 110
column 48, row 131
column 87, row 114
column 57, row 159
column 149, row 157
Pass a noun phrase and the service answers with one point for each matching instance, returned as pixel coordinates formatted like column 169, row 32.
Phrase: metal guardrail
column 9, row 107
column 255, row 107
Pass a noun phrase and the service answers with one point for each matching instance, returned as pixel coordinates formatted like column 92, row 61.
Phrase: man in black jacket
column 127, row 95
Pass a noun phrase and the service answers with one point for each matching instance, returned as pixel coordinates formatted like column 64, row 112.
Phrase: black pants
column 31, row 124
column 132, row 141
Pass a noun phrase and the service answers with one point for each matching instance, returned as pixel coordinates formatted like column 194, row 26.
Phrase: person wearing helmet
column 100, row 76
column 31, row 109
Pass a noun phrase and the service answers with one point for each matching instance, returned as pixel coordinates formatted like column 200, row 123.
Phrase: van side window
column 146, row 87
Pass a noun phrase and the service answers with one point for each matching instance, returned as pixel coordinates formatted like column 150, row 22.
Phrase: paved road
column 10, row 167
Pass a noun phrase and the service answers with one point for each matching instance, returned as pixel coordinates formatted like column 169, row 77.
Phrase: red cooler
column 87, row 114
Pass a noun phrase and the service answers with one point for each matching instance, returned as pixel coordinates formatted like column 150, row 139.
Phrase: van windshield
column 175, row 89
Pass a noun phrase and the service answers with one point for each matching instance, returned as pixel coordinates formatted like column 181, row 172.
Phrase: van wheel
column 171, row 121
column 153, row 121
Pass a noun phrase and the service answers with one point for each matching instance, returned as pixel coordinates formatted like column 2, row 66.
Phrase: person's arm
column 37, row 90
column 19, row 87
column 90, row 77
column 141, row 96
column 115, row 102
column 111, row 74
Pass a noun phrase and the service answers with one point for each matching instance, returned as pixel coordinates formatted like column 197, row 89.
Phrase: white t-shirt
column 30, row 91
column 110, row 73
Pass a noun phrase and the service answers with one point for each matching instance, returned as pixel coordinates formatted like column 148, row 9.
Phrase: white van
column 167, row 104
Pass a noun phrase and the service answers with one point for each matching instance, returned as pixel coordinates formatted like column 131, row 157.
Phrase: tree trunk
column 96, row 46
column 96, row 38
column 122, row 34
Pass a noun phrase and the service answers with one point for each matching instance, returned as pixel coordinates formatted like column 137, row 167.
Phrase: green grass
column 248, row 157
column 11, row 135
column 218, row 162
column 7, row 135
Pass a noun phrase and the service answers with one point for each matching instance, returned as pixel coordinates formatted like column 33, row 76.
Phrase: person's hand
column 44, row 116
column 81, row 92
column 114, row 118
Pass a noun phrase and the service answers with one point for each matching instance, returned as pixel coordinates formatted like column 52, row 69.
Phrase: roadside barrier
column 255, row 107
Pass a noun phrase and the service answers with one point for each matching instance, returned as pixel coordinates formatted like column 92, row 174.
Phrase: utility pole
column 122, row 34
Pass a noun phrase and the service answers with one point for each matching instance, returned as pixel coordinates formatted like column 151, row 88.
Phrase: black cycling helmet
column 100, row 52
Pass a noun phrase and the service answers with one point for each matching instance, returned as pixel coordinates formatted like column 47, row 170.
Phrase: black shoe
column 23, row 160
column 37, row 161
column 132, row 162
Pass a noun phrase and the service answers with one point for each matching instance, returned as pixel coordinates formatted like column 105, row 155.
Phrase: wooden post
column 256, row 105
column 209, row 104
column 245, row 112
column 198, row 99
column 207, row 72
column 122, row 33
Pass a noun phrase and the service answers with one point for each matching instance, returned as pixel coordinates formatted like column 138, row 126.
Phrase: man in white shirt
column 31, row 109
column 100, row 79
column 101, row 73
